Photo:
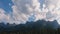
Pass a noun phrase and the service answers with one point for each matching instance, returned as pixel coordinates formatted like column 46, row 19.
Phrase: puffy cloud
column 53, row 9
column 23, row 10
column 3, row 16
column 29, row 7
column 18, row 16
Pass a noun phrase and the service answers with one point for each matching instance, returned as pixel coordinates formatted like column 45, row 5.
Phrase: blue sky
column 4, row 4
column 23, row 10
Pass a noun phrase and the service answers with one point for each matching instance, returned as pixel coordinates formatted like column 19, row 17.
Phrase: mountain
column 29, row 26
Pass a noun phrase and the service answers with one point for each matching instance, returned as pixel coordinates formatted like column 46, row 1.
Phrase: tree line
column 38, row 27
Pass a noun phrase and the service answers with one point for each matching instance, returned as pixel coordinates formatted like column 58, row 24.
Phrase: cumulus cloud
column 50, row 8
column 3, row 16
column 23, row 10
column 53, row 9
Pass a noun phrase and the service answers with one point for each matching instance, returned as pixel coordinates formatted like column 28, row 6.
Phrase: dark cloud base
column 38, row 27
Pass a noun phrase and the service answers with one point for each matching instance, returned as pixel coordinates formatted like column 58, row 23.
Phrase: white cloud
column 26, row 8
column 53, row 7
column 49, row 11
column 23, row 9
column 3, row 16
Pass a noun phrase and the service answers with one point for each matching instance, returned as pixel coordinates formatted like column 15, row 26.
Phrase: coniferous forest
column 38, row 27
